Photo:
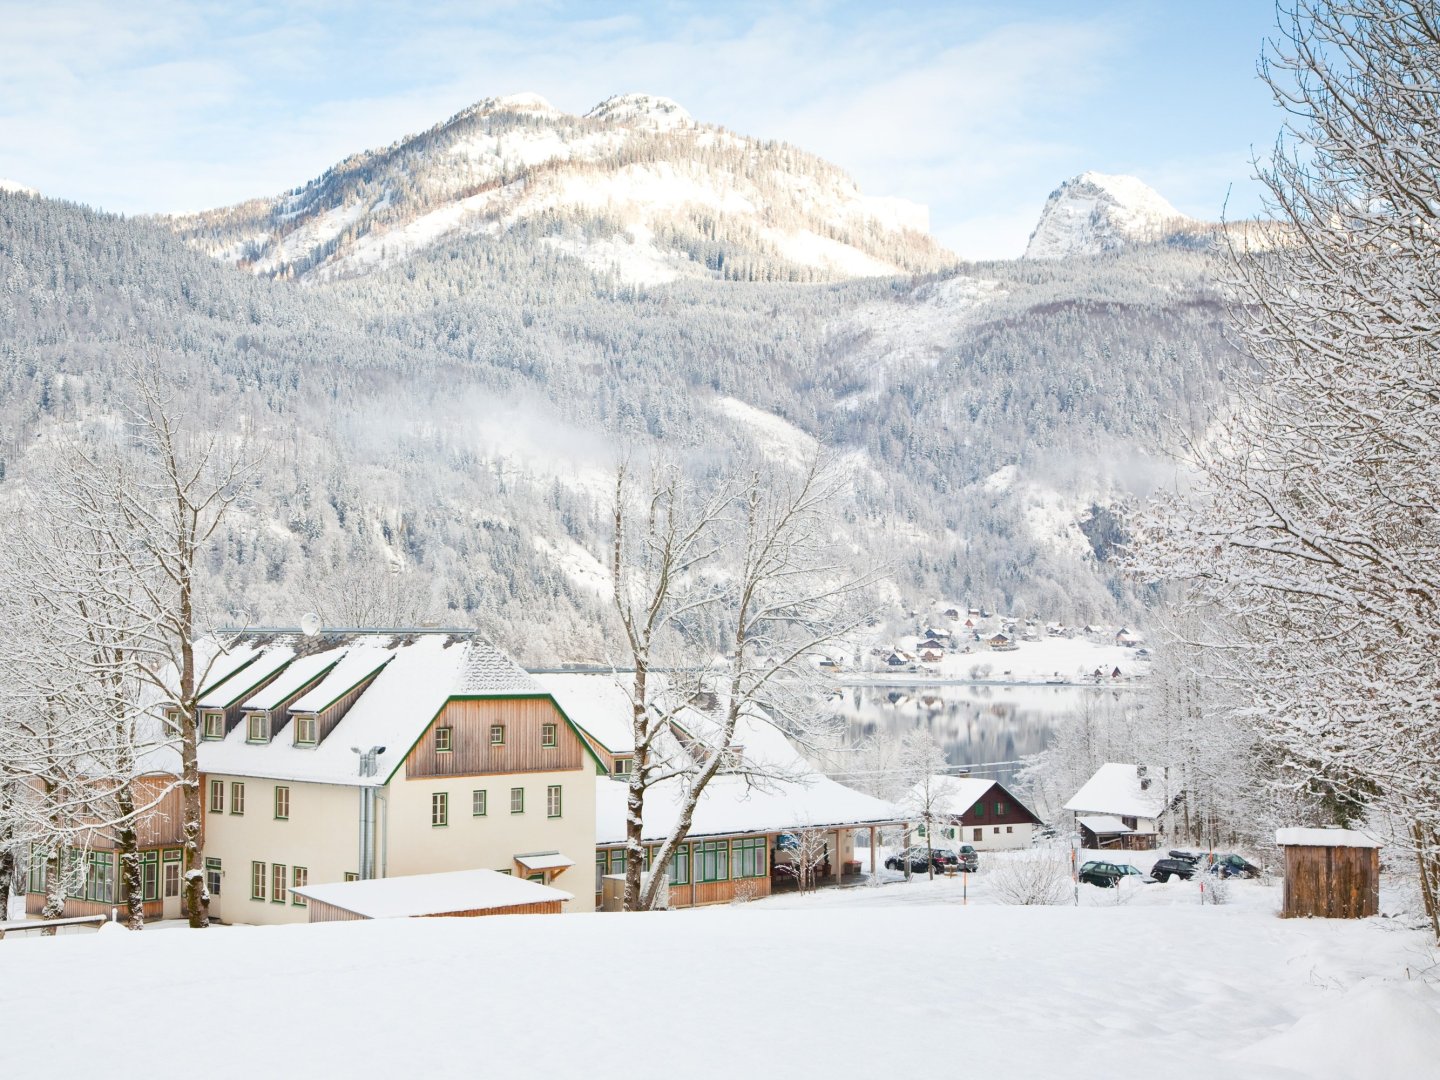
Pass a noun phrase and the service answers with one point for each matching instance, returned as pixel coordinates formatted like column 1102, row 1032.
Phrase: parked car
column 1186, row 864
column 1108, row 875
column 919, row 859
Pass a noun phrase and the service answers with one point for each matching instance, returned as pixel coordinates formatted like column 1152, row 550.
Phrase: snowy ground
column 842, row 983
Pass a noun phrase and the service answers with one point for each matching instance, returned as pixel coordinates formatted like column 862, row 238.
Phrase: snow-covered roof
column 1117, row 789
column 599, row 702
column 489, row 671
column 432, row 894
column 545, row 860
column 1105, row 825
column 952, row 794
column 294, row 678
column 243, row 683
column 213, row 668
column 416, row 676
column 1324, row 838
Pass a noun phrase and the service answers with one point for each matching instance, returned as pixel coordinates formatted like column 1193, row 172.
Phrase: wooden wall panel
column 323, row 912
column 472, row 753
column 1331, row 882
column 335, row 712
column 547, row 907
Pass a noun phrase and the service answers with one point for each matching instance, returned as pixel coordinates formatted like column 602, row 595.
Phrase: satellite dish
column 310, row 624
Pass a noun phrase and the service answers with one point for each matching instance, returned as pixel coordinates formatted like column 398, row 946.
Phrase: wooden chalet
column 976, row 811
column 1119, row 807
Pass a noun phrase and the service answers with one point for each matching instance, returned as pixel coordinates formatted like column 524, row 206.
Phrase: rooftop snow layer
column 1116, row 789
column 1105, row 825
column 489, row 671
column 1324, row 838
column 294, row 678
column 432, row 894
column 360, row 661
column 598, row 702
column 245, row 678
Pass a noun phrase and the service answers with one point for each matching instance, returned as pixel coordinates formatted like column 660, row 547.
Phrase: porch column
column 872, row 851
column 839, row 867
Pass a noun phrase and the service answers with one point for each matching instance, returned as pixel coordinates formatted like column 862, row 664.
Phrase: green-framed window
column 100, row 877
column 213, row 876
column 443, row 737
column 714, row 858
column 999, row 809
column 282, row 802
column 517, row 800
column 552, row 801
column 257, row 727
column 979, row 809
column 497, row 734
column 300, row 875
column 257, row 881
column 217, row 796
column 478, row 798
column 602, row 867
column 278, row 879
column 212, row 724
column 548, row 735
column 748, row 857
column 679, row 872
column 150, row 875
column 305, row 729
column 39, row 864
column 439, row 809
column 237, row 798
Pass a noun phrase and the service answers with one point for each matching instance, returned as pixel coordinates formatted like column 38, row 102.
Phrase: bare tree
column 922, row 766
column 802, row 854
column 755, row 555
column 156, row 503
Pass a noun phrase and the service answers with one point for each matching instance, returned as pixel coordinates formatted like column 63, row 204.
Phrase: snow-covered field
column 844, row 983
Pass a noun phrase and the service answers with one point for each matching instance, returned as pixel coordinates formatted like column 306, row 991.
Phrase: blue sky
column 977, row 110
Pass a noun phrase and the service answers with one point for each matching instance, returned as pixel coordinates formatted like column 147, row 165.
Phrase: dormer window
column 442, row 740
column 258, row 728
column 213, row 724
column 497, row 734
column 304, row 729
column 547, row 734
column 622, row 766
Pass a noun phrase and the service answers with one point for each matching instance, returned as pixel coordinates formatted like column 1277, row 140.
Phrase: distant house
column 979, row 812
column 935, row 633
column 1001, row 642
column 932, row 644
column 952, row 613
column 931, row 656
column 1125, row 637
column 1115, row 674
column 1118, row 807
column 899, row 659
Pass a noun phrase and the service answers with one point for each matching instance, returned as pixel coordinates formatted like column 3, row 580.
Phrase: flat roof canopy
column 432, row 894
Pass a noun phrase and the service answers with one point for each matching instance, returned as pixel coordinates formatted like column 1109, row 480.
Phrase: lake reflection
column 976, row 725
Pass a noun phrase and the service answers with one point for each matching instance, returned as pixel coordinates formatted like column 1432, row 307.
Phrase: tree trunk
column 54, row 893
column 635, row 796
column 7, row 876
column 197, row 900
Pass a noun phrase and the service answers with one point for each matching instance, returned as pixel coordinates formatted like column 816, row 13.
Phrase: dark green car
column 1107, row 875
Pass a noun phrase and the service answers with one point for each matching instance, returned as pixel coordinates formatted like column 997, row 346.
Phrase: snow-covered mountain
column 1095, row 212
column 16, row 187
column 636, row 187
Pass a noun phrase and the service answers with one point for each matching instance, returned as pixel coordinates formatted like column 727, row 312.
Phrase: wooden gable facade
column 997, row 808
column 506, row 735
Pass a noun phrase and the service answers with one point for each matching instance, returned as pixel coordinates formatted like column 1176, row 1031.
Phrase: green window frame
column 300, row 877
column 257, row 727
column 213, row 876
column 439, row 809
column 149, row 875
column 444, row 739
column 305, row 729
column 257, row 881
column 552, row 801
column 602, row 864
column 748, row 857
column 100, row 877
column 278, row 878
column 478, row 799
column 39, row 864
column 497, row 734
column 714, row 860
column 213, row 724
column 999, row 809
column 217, row 796
column 548, row 735
column 237, row 798
column 679, row 871
column 517, row 800
column 282, row 802
column 979, row 809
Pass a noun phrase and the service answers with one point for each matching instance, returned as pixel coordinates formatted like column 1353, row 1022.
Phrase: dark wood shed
column 1329, row 873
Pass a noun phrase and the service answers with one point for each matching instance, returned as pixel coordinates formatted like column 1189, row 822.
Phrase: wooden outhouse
column 1329, row 873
